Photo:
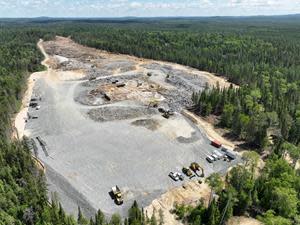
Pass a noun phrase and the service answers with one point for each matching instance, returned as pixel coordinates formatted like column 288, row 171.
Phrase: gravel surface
column 87, row 156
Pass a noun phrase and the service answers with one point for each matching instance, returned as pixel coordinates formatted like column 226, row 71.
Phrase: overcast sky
column 145, row 8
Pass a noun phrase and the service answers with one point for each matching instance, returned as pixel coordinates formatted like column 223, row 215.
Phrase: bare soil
column 188, row 194
column 241, row 220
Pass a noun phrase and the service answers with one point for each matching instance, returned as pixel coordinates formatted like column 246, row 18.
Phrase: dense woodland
column 261, row 55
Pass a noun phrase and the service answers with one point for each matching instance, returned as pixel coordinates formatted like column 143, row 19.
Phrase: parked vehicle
column 216, row 144
column 174, row 176
column 210, row 159
column 187, row 172
column 223, row 149
column 195, row 167
column 219, row 154
column 229, row 153
column 215, row 157
column 33, row 104
column 181, row 177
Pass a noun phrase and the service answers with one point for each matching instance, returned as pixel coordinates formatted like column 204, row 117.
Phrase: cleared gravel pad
column 92, row 145
column 111, row 113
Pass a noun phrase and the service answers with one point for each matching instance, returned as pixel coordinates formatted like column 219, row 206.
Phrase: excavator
column 195, row 167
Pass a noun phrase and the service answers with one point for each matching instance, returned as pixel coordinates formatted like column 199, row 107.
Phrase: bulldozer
column 187, row 172
column 195, row 167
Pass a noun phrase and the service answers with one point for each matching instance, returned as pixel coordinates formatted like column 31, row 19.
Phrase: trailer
column 229, row 153
column 216, row 144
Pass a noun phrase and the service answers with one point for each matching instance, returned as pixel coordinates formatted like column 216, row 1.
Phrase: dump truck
column 195, row 167
column 117, row 194
column 216, row 144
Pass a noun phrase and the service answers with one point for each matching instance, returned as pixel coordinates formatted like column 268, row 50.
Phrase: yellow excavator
column 195, row 167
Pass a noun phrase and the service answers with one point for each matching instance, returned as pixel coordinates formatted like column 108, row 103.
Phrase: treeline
column 272, row 197
column 23, row 191
column 263, row 61
column 264, row 111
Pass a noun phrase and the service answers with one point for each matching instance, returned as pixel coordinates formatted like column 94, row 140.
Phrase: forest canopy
column 260, row 54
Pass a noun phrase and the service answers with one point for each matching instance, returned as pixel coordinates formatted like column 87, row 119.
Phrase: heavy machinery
column 187, row 172
column 167, row 114
column 153, row 103
column 195, row 167
column 117, row 194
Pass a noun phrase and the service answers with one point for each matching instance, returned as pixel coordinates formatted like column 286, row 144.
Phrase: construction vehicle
column 195, row 167
column 117, row 195
column 153, row 103
column 187, row 172
column 167, row 114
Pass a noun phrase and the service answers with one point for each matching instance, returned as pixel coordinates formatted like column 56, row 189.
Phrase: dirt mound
column 190, row 194
column 111, row 113
column 150, row 124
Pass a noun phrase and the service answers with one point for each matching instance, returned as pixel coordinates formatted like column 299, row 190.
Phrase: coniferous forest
column 259, row 54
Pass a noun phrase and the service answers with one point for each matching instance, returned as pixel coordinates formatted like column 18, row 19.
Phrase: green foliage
column 115, row 220
column 215, row 182
column 251, row 159
column 269, row 218
column 263, row 58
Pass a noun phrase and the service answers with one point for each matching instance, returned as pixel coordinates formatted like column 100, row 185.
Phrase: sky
column 146, row 8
